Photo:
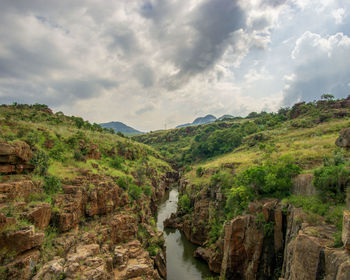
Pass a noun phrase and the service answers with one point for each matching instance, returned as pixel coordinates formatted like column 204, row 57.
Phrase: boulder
column 17, row 189
column 211, row 257
column 23, row 266
column 50, row 270
column 346, row 230
column 40, row 215
column 15, row 157
column 21, row 240
column 123, row 228
column 344, row 138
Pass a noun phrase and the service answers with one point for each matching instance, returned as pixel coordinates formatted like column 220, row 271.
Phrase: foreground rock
column 15, row 157
column 344, row 139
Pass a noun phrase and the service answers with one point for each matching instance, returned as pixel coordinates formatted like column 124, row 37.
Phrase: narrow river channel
column 179, row 251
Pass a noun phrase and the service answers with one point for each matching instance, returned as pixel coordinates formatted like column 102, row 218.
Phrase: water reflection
column 180, row 261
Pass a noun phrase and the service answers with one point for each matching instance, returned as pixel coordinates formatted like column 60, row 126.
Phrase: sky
column 159, row 63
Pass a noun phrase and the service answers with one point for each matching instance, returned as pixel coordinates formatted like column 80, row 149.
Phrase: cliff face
column 271, row 240
column 91, row 229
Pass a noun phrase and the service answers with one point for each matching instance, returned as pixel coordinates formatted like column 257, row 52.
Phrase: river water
column 179, row 251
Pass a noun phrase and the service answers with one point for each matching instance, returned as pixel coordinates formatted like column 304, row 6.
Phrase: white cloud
column 146, row 62
column 338, row 15
column 321, row 66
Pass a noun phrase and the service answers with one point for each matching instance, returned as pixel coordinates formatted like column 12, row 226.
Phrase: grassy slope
column 308, row 146
column 36, row 127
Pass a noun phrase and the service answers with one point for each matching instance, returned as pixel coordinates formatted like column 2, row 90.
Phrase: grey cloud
column 214, row 23
column 144, row 75
column 145, row 109
column 123, row 38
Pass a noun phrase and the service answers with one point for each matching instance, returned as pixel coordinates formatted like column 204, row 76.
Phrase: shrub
column 184, row 203
column 124, row 182
column 40, row 161
column 199, row 172
column 134, row 191
column 237, row 201
column 117, row 162
column 78, row 155
column 57, row 152
column 273, row 178
column 215, row 230
column 52, row 184
column 147, row 190
column 331, row 182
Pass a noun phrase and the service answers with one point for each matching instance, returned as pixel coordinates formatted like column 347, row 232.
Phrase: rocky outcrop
column 20, row 240
column 39, row 215
column 212, row 257
column 132, row 261
column 273, row 240
column 123, row 228
column 15, row 157
column 346, row 230
column 344, row 139
column 10, row 191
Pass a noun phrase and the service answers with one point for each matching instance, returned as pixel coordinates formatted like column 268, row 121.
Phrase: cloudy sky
column 151, row 63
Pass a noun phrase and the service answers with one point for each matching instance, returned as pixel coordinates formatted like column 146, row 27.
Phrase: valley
column 261, row 197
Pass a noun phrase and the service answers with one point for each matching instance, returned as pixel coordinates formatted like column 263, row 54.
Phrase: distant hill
column 121, row 127
column 199, row 121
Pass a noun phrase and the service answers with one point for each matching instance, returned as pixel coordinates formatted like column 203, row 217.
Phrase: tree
column 327, row 96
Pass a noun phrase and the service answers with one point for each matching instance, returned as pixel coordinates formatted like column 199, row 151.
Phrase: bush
column 134, row 191
column 184, row 204
column 273, row 178
column 57, row 152
column 117, row 162
column 237, row 201
column 52, row 184
column 40, row 161
column 78, row 155
column 124, row 182
column 199, row 172
column 147, row 190
column 331, row 182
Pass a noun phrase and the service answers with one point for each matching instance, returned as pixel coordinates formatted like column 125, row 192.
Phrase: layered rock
column 15, row 157
column 344, row 139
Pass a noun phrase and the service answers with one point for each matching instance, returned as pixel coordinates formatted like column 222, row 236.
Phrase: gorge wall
column 272, row 240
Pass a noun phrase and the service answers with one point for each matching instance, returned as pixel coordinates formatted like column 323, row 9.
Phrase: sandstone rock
column 21, row 240
column 83, row 252
column 346, row 230
column 23, row 266
column 6, row 221
column 242, row 248
column 50, row 270
column 40, row 215
column 212, row 258
column 17, row 189
column 121, row 257
column 344, row 271
column 138, row 270
column 160, row 262
column 14, row 157
column 123, row 228
column 344, row 138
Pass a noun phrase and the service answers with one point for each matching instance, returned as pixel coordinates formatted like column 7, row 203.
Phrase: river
column 179, row 251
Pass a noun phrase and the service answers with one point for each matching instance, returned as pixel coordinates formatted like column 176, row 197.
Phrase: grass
column 308, row 146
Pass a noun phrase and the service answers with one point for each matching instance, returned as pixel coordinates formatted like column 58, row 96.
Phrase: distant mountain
column 225, row 117
column 121, row 127
column 199, row 121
